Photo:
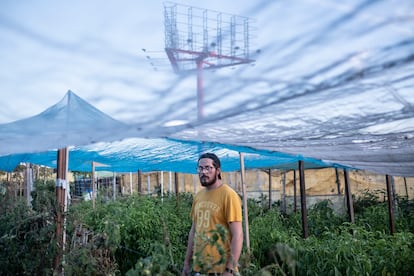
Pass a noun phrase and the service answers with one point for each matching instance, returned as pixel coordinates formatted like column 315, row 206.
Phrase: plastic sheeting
column 337, row 86
column 73, row 121
column 332, row 81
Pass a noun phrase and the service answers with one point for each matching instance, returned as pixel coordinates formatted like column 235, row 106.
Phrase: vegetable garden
column 147, row 235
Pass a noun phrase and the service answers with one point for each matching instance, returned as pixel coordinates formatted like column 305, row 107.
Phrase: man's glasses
column 201, row 169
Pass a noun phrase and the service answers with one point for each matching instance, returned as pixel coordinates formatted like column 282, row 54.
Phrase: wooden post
column 295, row 203
column 61, row 184
column 28, row 179
column 169, row 183
column 305, row 230
column 406, row 189
column 93, row 185
column 348, row 195
column 139, row 182
column 283, row 207
column 270, row 189
column 338, row 183
column 162, row 185
column 114, row 186
column 246, row 214
column 390, row 204
column 44, row 175
column 130, row 183
column 195, row 183
column 177, row 187
column 148, row 184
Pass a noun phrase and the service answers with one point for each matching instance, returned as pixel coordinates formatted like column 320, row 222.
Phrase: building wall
column 318, row 182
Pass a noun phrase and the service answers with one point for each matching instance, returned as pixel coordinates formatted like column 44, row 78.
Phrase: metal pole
column 200, row 89
column 200, row 97
column 246, row 216
column 305, row 231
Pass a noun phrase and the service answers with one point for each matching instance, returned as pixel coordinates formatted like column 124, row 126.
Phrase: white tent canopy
column 71, row 121
column 76, row 124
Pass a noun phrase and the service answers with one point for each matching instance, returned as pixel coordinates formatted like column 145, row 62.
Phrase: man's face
column 207, row 172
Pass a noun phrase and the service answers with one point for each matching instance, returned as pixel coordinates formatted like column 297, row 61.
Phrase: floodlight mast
column 198, row 39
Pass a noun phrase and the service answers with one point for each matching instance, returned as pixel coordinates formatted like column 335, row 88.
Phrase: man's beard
column 205, row 182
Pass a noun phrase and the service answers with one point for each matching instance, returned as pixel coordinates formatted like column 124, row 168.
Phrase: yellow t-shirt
column 210, row 209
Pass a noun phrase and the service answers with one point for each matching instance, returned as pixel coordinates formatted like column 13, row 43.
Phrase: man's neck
column 214, row 186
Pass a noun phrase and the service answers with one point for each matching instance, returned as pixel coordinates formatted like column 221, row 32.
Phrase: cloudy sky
column 92, row 47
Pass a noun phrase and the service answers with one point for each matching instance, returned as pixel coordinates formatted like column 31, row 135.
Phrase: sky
column 93, row 48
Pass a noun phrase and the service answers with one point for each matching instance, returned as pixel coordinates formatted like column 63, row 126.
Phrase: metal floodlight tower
column 198, row 39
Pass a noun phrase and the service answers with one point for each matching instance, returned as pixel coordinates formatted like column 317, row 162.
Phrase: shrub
column 141, row 235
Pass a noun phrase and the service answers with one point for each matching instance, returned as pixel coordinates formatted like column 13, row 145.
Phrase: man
column 215, row 208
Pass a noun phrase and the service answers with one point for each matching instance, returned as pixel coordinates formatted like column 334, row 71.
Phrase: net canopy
column 330, row 81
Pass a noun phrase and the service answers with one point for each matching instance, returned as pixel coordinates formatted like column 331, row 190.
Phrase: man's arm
column 236, row 244
column 189, row 252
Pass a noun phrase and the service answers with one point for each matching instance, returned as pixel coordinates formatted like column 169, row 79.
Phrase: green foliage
column 213, row 239
column 352, row 250
column 374, row 215
column 43, row 199
column 334, row 246
column 322, row 218
column 405, row 215
column 265, row 233
column 24, row 234
column 141, row 235
column 258, row 207
column 367, row 199
column 92, row 257
column 155, row 264
column 142, row 221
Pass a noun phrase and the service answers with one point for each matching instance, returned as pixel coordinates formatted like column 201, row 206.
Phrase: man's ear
column 219, row 173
